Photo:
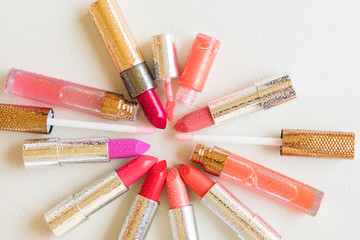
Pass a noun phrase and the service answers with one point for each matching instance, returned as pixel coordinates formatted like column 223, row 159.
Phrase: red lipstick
column 247, row 225
column 77, row 208
column 181, row 214
column 128, row 59
column 145, row 204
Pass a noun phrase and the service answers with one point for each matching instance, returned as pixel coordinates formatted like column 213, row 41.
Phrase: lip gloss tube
column 227, row 207
column 77, row 208
column 78, row 97
column 258, row 178
column 197, row 67
column 145, row 204
column 181, row 213
column 128, row 59
column 48, row 152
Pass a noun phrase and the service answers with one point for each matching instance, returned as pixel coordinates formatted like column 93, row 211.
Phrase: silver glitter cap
column 182, row 223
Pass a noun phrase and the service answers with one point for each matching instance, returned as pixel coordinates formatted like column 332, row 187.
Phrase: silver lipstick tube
column 235, row 214
column 77, row 208
column 263, row 95
column 182, row 223
column 56, row 152
column 138, row 219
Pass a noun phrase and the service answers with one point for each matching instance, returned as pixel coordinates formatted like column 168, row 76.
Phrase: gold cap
column 116, row 34
column 213, row 159
column 318, row 144
column 115, row 107
column 25, row 118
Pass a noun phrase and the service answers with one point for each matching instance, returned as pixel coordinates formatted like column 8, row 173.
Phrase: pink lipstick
column 226, row 206
column 77, row 208
column 145, row 204
column 128, row 59
column 181, row 214
column 262, row 96
column 48, row 152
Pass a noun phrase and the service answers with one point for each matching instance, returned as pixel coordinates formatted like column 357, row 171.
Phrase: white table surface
column 317, row 42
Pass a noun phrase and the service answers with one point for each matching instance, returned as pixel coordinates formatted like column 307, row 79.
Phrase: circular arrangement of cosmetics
column 139, row 83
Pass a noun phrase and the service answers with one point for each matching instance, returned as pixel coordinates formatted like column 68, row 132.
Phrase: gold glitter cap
column 115, row 106
column 25, row 118
column 318, row 144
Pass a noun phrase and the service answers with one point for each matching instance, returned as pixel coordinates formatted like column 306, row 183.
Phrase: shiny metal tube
column 182, row 223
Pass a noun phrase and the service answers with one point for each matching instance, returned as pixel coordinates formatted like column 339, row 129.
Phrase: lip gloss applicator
column 128, row 59
column 48, row 152
column 41, row 120
column 145, row 204
column 78, row 97
column 77, row 208
column 305, row 143
column 227, row 207
column 262, row 96
column 258, row 178
column 181, row 213
column 166, row 67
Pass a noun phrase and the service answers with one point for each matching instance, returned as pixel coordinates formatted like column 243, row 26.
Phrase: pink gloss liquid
column 55, row 91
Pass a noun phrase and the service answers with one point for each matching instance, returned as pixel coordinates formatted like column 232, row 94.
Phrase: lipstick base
column 182, row 223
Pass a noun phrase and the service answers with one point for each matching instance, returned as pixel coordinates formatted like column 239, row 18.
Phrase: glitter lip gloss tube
column 128, row 59
column 78, row 97
column 197, row 67
column 260, row 179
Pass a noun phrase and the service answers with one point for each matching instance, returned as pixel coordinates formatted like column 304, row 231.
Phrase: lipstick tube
column 197, row 67
column 145, row 204
column 78, row 97
column 77, row 208
column 127, row 58
column 258, row 178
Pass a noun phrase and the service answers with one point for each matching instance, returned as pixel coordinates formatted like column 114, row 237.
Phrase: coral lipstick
column 234, row 213
column 262, row 96
column 128, row 59
column 145, row 204
column 181, row 214
column 48, row 152
column 77, row 208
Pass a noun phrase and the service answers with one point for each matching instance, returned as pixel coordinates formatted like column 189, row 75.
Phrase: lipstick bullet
column 128, row 59
column 77, row 208
column 145, row 204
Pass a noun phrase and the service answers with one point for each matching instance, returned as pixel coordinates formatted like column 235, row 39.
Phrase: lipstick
column 226, row 206
column 197, row 67
column 41, row 120
column 258, row 178
column 77, row 208
column 263, row 95
column 128, row 59
column 181, row 214
column 145, row 204
column 48, row 152
column 166, row 67
column 293, row 142
column 78, row 97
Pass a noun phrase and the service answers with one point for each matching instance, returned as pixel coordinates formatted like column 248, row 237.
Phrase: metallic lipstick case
column 183, row 224
column 56, row 152
column 25, row 118
column 235, row 214
column 77, row 208
column 263, row 95
column 318, row 144
column 138, row 219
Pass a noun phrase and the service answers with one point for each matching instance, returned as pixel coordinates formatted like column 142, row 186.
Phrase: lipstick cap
column 77, row 208
column 318, row 144
column 138, row 219
column 164, row 56
column 182, row 223
column 263, row 95
column 115, row 106
column 55, row 152
column 236, row 215
column 25, row 118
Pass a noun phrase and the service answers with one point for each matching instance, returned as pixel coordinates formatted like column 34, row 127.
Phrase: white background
column 317, row 42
